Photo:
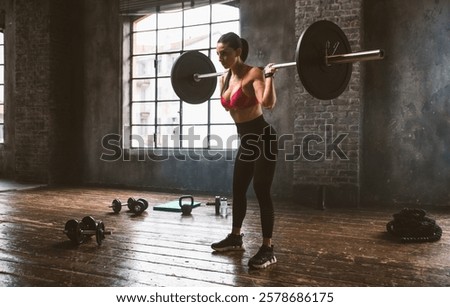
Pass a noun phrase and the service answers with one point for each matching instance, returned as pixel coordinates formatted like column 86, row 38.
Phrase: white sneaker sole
column 265, row 264
column 229, row 248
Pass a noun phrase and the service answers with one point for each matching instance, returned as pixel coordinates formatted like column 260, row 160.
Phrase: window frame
column 2, row 84
column 130, row 138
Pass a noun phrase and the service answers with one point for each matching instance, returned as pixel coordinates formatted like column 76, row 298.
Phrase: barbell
column 323, row 58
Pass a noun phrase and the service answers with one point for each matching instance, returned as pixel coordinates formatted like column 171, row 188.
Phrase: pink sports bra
column 239, row 100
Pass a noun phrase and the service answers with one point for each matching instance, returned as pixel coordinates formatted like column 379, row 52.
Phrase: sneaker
column 263, row 258
column 231, row 242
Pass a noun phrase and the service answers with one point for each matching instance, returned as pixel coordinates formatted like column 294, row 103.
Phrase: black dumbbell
column 135, row 206
column 78, row 232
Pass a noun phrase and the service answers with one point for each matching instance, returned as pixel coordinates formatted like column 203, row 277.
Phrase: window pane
column 168, row 136
column 1, row 113
column 168, row 113
column 219, row 29
column 218, row 113
column 142, row 136
column 165, row 63
column 144, row 66
column 223, row 136
column 165, row 90
column 195, row 136
column 144, row 42
column 216, row 94
column 195, row 113
column 169, row 40
column 196, row 37
column 170, row 20
column 143, row 90
column 197, row 16
column 222, row 12
column 215, row 60
column 2, row 97
column 143, row 114
column 145, row 23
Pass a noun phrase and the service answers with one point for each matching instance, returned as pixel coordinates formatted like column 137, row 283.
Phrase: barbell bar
column 198, row 77
column 354, row 57
column 323, row 59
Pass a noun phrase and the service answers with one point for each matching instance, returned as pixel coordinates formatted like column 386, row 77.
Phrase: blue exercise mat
column 172, row 206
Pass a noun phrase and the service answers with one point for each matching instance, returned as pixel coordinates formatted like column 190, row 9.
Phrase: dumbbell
column 135, row 206
column 78, row 232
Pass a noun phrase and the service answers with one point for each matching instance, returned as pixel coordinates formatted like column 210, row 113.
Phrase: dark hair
column 234, row 41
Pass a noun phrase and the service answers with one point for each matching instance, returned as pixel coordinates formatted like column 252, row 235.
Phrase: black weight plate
column 138, row 207
column 73, row 231
column 116, row 205
column 130, row 203
column 145, row 202
column 100, row 232
column 322, row 81
column 182, row 77
column 88, row 223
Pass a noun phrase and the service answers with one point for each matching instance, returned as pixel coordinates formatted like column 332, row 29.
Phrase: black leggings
column 256, row 159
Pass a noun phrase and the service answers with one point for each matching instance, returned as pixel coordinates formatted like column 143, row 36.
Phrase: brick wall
column 32, row 92
column 325, row 121
column 43, row 105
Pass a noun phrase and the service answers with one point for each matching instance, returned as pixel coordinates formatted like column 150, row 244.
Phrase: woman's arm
column 264, row 87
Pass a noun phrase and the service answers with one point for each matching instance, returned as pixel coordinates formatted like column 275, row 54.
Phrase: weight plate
column 322, row 81
column 182, row 77
column 130, row 203
column 145, row 202
column 116, row 205
column 138, row 207
column 73, row 231
column 88, row 223
column 100, row 232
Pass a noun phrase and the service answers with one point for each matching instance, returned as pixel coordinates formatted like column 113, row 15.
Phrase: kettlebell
column 186, row 208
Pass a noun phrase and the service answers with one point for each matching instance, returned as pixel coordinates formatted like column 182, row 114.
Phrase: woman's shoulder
column 255, row 72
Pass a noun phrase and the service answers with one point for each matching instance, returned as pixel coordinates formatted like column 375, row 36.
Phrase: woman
column 245, row 91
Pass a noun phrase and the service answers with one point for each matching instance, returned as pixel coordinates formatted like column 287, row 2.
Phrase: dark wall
column 42, row 130
column 407, row 103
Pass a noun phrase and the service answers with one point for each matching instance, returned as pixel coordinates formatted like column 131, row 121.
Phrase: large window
column 2, row 88
column 157, row 118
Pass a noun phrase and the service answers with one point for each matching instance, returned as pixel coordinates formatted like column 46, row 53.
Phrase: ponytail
column 244, row 47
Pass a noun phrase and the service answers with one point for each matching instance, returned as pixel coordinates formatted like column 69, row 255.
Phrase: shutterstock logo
column 312, row 147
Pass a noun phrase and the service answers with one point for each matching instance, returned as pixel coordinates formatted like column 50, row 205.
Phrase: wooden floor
column 333, row 247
